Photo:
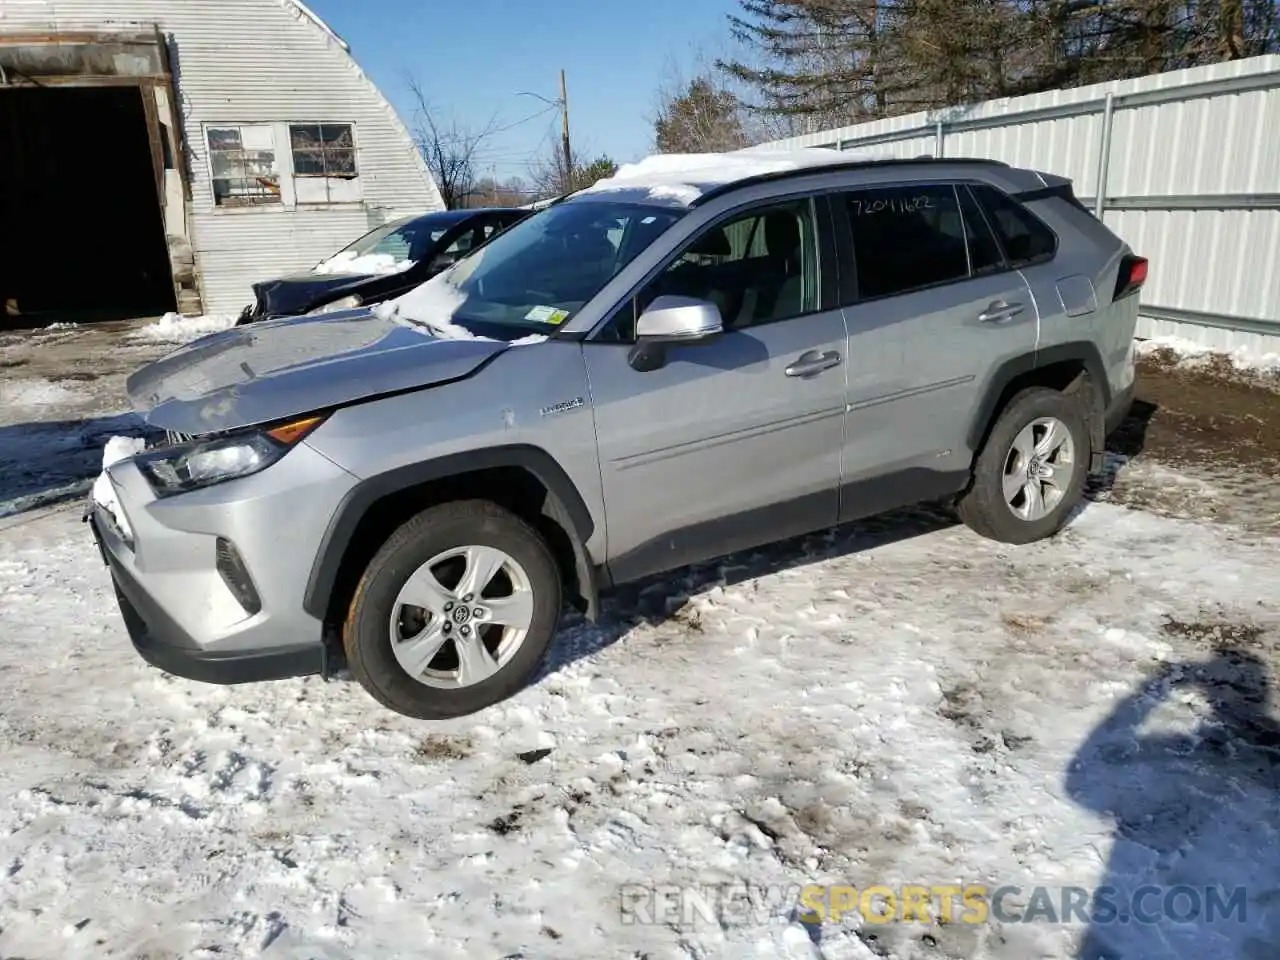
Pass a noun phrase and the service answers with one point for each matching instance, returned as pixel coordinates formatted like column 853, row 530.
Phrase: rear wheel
column 454, row 613
column 1032, row 470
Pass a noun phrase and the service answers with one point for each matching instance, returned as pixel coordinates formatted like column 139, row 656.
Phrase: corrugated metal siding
column 240, row 247
column 245, row 61
column 1213, row 261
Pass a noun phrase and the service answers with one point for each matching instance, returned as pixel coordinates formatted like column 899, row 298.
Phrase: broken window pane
column 224, row 139
column 323, row 150
column 308, row 163
column 243, row 177
column 337, row 135
column 341, row 163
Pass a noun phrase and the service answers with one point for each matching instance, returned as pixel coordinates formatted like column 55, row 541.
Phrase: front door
column 735, row 442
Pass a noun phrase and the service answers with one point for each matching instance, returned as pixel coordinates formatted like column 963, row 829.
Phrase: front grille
column 170, row 438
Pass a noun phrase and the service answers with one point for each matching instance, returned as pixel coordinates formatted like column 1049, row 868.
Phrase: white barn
column 165, row 154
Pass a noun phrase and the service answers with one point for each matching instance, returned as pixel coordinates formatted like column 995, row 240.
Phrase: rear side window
column 906, row 238
column 1025, row 239
column 984, row 251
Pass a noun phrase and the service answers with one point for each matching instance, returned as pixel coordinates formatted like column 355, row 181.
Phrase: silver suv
column 665, row 368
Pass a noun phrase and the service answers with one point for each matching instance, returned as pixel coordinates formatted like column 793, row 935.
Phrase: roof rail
column 817, row 168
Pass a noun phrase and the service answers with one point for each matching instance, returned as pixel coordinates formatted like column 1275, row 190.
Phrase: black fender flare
column 1083, row 352
column 564, row 505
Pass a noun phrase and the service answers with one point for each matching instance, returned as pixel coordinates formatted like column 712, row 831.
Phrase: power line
column 457, row 138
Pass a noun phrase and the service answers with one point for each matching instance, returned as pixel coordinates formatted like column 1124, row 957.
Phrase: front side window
column 242, row 159
column 535, row 275
column 758, row 267
column 906, row 238
column 1023, row 235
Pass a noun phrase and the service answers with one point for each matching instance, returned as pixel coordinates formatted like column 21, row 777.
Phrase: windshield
column 536, row 275
column 391, row 248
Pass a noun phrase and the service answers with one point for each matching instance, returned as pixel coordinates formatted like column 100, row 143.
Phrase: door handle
column 813, row 362
column 1000, row 310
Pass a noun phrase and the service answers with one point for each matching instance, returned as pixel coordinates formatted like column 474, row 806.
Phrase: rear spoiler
column 1062, row 189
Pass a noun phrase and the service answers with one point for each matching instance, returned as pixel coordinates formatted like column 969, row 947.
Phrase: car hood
column 281, row 368
column 293, row 295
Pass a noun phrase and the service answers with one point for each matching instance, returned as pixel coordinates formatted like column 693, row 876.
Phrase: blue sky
column 473, row 57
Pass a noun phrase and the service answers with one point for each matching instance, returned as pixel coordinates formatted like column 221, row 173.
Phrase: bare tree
column 450, row 149
column 551, row 178
column 489, row 192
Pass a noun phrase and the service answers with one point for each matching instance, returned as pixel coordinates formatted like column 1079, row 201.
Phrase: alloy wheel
column 1039, row 468
column 461, row 617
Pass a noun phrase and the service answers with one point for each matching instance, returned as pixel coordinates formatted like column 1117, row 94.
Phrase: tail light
column 1133, row 274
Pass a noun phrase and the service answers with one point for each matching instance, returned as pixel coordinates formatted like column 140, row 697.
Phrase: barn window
column 323, row 150
column 243, row 161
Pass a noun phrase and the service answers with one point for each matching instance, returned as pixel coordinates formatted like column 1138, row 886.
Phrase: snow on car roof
column 679, row 179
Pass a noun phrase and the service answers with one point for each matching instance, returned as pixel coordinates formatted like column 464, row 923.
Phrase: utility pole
column 564, row 131
column 563, row 104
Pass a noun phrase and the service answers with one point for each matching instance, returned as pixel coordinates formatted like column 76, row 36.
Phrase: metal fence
column 1184, row 165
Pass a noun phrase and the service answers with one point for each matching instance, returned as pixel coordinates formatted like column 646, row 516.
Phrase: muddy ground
column 1202, row 441
column 1201, row 415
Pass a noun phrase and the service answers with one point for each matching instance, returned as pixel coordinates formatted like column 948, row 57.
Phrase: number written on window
column 865, row 206
column 906, row 238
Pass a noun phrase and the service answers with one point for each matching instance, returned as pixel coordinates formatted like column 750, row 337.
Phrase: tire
column 469, row 535
column 984, row 507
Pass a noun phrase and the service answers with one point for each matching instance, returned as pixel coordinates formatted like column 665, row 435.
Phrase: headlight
column 346, row 303
column 201, row 463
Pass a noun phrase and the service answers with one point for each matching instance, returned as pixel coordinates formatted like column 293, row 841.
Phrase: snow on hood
column 377, row 264
column 430, row 306
column 684, row 177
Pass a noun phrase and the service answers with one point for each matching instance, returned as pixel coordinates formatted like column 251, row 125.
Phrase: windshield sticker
column 547, row 315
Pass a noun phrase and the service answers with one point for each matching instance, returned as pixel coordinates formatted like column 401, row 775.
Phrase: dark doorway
column 81, row 230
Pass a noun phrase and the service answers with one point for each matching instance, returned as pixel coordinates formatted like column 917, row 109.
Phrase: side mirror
column 671, row 321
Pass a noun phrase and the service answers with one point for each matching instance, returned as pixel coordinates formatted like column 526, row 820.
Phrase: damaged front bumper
column 163, row 643
column 210, row 583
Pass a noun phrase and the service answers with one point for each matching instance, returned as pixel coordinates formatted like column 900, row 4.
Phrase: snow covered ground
column 174, row 328
column 901, row 702
column 1192, row 355
column 897, row 703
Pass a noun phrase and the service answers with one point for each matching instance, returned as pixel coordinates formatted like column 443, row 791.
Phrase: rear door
column 933, row 308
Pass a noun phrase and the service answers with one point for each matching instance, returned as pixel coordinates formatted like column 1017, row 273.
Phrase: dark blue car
column 383, row 264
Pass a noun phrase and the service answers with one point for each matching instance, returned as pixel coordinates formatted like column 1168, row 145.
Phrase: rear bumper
column 164, row 644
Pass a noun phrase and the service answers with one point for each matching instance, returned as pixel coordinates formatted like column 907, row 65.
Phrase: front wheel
column 1031, row 472
column 454, row 613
